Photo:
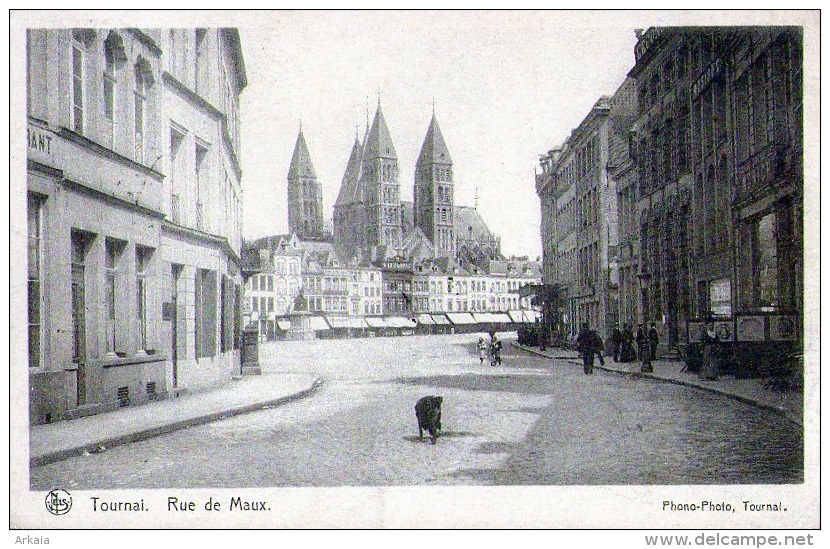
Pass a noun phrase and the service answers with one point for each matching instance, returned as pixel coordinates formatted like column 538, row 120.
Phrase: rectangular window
column 35, row 246
column 114, row 249
column 140, row 112
column 201, row 183
column 143, row 257
column 80, row 245
column 78, row 87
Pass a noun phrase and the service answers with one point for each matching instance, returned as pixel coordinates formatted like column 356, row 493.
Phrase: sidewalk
column 64, row 439
column 749, row 391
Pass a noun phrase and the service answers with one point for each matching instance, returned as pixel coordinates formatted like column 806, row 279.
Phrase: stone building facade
column 114, row 275
column 720, row 191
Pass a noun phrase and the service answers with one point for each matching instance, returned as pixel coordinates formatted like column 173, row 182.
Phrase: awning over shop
column 284, row 324
column 440, row 319
column 375, row 322
column 501, row 317
column 532, row 315
column 425, row 319
column 517, row 316
column 399, row 322
column 338, row 321
column 461, row 318
column 317, row 323
column 357, row 322
column 481, row 318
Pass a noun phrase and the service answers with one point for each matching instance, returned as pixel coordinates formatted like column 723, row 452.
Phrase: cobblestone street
column 530, row 421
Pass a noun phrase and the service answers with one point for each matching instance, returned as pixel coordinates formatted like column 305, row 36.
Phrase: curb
column 746, row 400
column 171, row 427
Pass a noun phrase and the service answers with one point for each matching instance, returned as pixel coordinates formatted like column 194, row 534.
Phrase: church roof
column 379, row 141
column 301, row 165
column 434, row 150
column 350, row 186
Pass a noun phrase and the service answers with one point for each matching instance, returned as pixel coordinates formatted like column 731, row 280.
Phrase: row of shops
column 274, row 329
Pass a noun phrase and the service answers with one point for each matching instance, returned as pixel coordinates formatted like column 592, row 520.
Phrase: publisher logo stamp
column 58, row 502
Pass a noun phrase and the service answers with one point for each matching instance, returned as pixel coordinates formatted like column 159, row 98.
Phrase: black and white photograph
column 381, row 269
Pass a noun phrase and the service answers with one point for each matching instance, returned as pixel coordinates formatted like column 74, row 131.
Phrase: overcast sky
column 507, row 87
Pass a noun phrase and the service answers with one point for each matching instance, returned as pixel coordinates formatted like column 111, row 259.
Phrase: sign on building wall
column 720, row 297
column 782, row 328
column 724, row 331
column 750, row 328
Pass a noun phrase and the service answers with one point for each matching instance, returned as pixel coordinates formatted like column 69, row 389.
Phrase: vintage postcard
column 415, row 269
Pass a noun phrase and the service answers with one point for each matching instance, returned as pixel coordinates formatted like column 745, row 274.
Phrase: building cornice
column 219, row 241
column 104, row 197
column 97, row 148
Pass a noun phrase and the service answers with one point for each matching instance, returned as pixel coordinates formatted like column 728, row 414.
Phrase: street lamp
column 644, row 278
column 645, row 353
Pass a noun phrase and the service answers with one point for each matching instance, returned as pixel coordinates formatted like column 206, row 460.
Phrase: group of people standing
column 647, row 341
column 491, row 351
column 589, row 343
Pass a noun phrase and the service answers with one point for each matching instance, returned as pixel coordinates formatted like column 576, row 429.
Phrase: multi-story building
column 720, row 187
column 203, row 75
column 119, row 124
column 305, row 194
column 578, row 193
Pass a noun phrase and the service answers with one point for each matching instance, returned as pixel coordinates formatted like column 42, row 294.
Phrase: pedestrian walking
column 584, row 345
column 495, row 351
column 482, row 350
column 616, row 343
column 653, row 340
column 711, row 347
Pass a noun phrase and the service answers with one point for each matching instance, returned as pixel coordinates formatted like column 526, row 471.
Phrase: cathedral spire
column 379, row 141
column 301, row 159
column 434, row 150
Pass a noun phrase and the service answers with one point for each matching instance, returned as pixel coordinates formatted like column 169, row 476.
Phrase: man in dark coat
column 616, row 343
column 653, row 340
column 627, row 344
column 596, row 343
column 584, row 345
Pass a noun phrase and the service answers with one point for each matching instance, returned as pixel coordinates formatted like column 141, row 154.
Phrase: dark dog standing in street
column 428, row 412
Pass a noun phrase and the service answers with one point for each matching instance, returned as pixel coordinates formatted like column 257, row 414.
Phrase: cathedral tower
column 381, row 191
column 305, row 194
column 434, row 202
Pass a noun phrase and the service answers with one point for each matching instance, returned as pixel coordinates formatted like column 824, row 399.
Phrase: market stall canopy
column 284, row 324
column 440, row 319
column 501, row 317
